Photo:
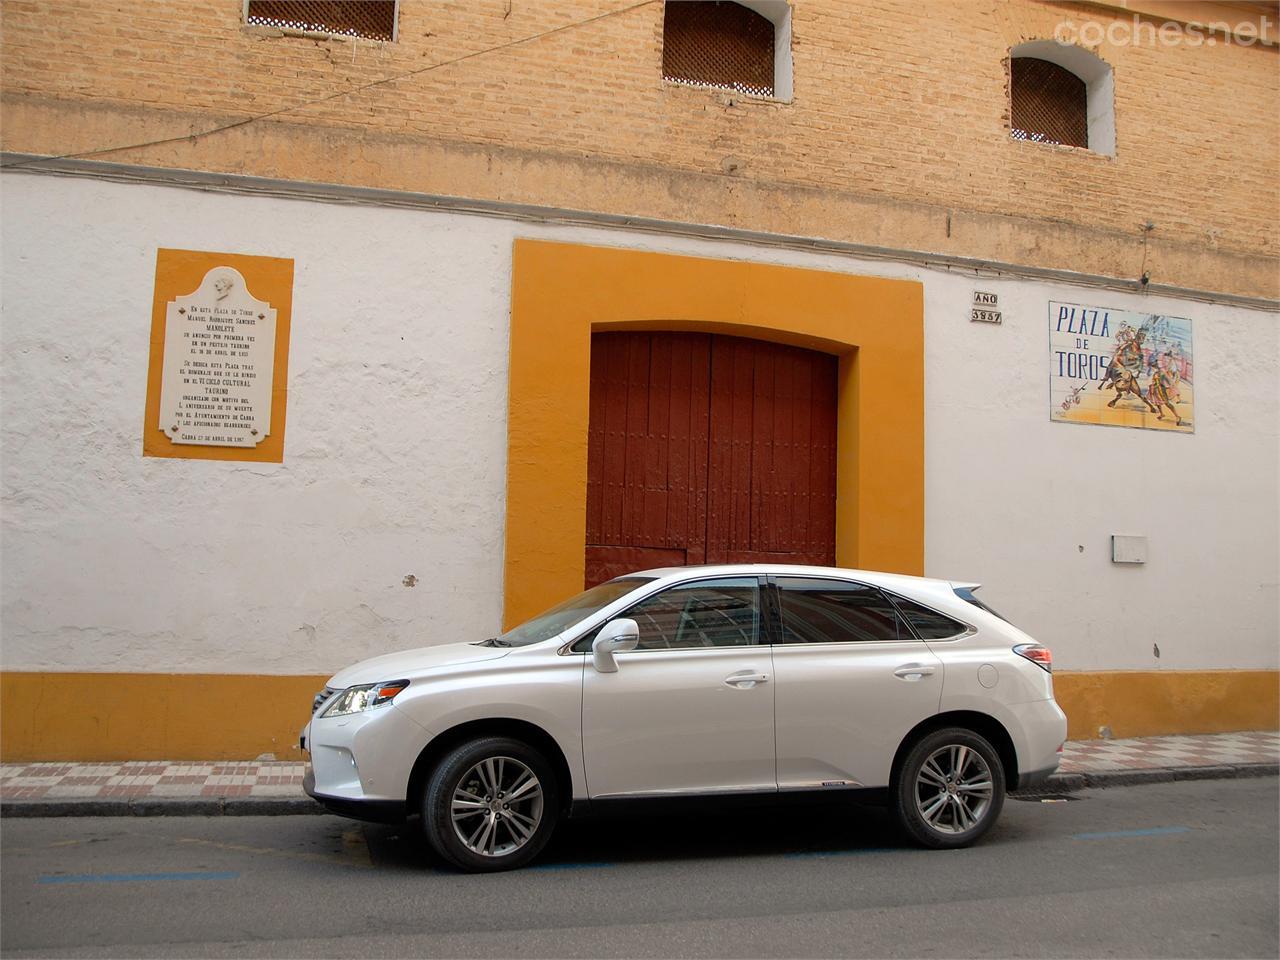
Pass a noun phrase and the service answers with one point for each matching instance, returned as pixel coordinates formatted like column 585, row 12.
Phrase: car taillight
column 1037, row 654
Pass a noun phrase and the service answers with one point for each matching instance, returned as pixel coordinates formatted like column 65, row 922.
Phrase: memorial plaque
column 216, row 387
column 219, row 352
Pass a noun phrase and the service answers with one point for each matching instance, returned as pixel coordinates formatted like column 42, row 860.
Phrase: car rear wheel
column 490, row 804
column 950, row 789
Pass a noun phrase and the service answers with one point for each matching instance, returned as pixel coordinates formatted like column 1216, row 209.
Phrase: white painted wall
column 395, row 445
column 396, row 437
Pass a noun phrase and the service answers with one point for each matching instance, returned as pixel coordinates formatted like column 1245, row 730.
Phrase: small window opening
column 369, row 19
column 718, row 43
column 1048, row 103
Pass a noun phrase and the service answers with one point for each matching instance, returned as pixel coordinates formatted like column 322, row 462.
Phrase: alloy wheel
column 496, row 806
column 953, row 789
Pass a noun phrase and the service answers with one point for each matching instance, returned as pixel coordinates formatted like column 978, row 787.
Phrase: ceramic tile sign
column 986, row 307
column 1120, row 368
column 218, row 357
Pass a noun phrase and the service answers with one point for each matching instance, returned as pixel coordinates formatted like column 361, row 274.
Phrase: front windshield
column 574, row 610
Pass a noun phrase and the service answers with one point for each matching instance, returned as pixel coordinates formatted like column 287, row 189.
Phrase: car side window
column 928, row 624
column 836, row 611
column 704, row 613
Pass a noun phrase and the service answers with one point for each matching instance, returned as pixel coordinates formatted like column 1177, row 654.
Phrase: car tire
column 941, row 807
column 490, row 804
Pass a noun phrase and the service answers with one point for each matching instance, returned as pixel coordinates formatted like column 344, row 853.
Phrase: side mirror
column 616, row 636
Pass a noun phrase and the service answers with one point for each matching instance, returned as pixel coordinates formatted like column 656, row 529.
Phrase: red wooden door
column 708, row 449
column 772, row 468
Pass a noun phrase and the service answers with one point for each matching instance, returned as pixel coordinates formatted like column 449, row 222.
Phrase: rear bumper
column 1033, row 778
column 374, row 811
column 1040, row 731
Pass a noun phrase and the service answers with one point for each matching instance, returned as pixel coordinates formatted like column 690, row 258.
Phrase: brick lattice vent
column 718, row 44
column 370, row 19
column 1047, row 103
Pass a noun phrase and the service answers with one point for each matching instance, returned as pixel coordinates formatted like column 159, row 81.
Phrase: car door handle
column 745, row 681
column 913, row 671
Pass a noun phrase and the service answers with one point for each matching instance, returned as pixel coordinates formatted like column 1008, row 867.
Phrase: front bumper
column 361, row 763
column 374, row 811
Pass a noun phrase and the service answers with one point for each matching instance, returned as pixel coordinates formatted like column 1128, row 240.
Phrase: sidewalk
column 153, row 788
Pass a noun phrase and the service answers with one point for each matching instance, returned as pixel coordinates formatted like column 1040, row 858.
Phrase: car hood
column 410, row 663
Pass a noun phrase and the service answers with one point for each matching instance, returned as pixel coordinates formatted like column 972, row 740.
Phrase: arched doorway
column 708, row 449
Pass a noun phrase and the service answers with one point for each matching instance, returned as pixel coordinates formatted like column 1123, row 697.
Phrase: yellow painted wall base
column 141, row 716
column 1149, row 704
column 152, row 716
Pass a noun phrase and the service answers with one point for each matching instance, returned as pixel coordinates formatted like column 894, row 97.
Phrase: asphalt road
column 1170, row 870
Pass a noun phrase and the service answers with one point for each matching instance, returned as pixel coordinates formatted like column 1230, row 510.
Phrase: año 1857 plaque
column 219, row 351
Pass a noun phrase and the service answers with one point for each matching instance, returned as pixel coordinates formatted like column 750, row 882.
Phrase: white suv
column 695, row 681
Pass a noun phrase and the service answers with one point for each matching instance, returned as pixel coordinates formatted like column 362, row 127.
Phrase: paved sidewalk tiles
column 149, row 779
column 279, row 779
column 1157, row 753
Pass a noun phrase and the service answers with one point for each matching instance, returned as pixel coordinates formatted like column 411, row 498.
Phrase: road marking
column 1118, row 834
column 837, row 853
column 134, row 877
column 356, row 845
column 273, row 852
column 59, row 843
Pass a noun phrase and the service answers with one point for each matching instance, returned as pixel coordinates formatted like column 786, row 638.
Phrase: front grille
column 321, row 697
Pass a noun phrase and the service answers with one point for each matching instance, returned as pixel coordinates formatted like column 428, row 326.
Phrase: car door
column 852, row 679
column 690, row 710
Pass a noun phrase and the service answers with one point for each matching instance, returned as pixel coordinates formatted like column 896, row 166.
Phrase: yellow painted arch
column 561, row 293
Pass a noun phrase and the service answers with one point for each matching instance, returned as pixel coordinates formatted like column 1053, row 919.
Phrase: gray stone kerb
column 301, row 805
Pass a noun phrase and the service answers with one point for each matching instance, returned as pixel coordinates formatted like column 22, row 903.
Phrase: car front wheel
column 950, row 789
column 490, row 804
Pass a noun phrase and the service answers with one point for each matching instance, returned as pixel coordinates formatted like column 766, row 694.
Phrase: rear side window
column 836, row 611
column 928, row 624
column 966, row 593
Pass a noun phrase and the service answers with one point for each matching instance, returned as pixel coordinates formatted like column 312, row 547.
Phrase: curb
column 1072, row 782
column 164, row 807
column 305, row 806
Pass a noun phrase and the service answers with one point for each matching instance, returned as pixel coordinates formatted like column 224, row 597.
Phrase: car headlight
column 364, row 697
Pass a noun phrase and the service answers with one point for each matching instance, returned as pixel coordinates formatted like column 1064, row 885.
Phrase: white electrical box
column 1125, row 549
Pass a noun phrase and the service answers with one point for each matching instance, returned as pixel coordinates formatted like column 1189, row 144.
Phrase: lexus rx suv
column 696, row 681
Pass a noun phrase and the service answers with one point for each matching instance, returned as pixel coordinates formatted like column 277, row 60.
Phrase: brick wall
column 898, row 130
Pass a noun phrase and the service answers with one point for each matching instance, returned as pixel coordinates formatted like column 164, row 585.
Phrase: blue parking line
column 1118, row 834
column 133, row 877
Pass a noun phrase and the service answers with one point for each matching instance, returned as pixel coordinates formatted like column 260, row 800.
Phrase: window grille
column 371, row 19
column 718, row 43
column 1048, row 104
